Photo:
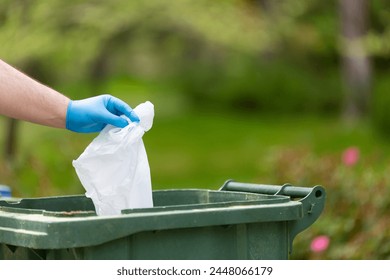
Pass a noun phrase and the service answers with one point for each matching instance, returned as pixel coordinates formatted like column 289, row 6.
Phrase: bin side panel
column 9, row 252
column 267, row 241
column 243, row 241
column 186, row 244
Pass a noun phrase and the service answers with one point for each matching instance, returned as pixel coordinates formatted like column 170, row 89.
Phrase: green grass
column 203, row 150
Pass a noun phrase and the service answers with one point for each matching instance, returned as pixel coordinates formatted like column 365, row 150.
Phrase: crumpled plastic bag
column 114, row 168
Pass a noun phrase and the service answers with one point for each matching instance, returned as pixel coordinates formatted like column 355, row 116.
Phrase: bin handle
column 286, row 189
column 312, row 199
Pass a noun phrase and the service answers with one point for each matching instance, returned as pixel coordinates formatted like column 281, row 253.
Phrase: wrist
column 68, row 115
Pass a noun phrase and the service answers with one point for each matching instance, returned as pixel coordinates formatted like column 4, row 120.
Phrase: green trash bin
column 238, row 221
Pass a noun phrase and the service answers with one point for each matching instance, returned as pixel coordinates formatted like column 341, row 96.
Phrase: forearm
column 24, row 98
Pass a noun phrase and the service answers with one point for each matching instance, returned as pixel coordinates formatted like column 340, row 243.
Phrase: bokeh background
column 259, row 91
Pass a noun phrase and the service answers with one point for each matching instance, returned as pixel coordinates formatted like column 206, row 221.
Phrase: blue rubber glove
column 93, row 114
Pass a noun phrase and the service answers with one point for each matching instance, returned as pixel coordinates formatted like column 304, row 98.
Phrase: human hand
column 93, row 114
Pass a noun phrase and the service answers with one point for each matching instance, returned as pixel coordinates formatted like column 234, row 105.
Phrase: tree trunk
column 10, row 140
column 355, row 63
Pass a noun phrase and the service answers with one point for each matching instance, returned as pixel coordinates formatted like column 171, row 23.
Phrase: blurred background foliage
column 259, row 91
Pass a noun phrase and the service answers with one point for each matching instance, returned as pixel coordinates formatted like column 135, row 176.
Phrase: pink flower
column 320, row 243
column 351, row 156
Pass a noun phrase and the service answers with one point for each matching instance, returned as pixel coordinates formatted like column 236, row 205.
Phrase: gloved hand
column 93, row 114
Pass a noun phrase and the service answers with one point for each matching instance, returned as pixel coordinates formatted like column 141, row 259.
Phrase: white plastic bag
column 114, row 168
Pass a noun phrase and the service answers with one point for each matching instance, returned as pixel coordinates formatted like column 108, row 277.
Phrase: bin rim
column 40, row 231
